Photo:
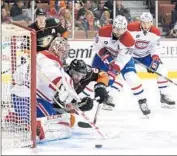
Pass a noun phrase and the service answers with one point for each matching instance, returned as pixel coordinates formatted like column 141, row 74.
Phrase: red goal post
column 18, row 102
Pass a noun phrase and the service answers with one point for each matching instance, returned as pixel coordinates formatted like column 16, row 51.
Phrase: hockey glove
column 154, row 64
column 114, row 70
column 100, row 91
column 105, row 56
column 86, row 104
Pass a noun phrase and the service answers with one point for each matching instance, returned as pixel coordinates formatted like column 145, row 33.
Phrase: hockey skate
column 143, row 106
column 166, row 101
column 108, row 105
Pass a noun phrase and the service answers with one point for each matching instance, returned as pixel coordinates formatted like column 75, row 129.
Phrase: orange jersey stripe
column 103, row 78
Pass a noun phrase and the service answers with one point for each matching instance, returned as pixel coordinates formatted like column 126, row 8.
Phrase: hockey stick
column 86, row 125
column 166, row 78
column 78, row 111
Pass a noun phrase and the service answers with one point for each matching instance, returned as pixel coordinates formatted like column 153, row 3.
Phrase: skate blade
column 108, row 108
column 163, row 105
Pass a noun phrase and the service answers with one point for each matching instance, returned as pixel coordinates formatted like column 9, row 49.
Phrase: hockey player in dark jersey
column 47, row 29
column 82, row 74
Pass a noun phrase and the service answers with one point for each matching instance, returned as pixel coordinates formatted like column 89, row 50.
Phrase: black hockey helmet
column 40, row 12
column 78, row 66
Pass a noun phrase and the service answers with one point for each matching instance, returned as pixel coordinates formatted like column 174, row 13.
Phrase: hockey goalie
column 52, row 122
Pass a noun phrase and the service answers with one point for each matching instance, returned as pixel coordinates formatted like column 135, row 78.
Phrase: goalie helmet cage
column 18, row 118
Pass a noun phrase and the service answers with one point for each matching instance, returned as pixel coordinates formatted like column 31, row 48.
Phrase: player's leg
column 130, row 76
column 161, row 82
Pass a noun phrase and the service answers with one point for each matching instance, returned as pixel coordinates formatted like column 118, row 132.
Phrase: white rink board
column 82, row 50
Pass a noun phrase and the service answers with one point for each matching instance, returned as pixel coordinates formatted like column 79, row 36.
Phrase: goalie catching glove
column 100, row 91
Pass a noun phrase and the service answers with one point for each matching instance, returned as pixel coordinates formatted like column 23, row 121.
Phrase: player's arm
column 102, row 80
column 155, row 49
column 61, row 28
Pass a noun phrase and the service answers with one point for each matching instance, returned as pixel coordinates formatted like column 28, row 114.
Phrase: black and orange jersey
column 93, row 74
column 53, row 29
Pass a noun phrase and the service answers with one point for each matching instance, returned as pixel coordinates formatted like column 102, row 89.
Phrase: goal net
column 18, row 57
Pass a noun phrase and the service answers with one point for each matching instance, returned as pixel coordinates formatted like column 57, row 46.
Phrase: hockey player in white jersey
column 113, row 47
column 147, row 51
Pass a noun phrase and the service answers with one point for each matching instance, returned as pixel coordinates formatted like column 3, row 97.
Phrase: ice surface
column 132, row 132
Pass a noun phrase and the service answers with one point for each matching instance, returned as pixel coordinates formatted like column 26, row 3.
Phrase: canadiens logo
column 141, row 44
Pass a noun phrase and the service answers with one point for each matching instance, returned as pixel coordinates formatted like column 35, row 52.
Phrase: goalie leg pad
column 55, row 127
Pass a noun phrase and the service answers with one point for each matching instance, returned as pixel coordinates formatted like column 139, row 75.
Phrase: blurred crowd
column 89, row 15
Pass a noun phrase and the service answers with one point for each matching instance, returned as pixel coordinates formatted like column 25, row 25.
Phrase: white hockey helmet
column 146, row 17
column 60, row 47
column 119, row 25
column 120, row 22
column 146, row 20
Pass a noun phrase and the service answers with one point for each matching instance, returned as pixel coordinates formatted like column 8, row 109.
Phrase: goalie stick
column 76, row 98
column 166, row 78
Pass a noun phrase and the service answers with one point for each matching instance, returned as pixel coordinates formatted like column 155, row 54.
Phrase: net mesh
column 16, row 87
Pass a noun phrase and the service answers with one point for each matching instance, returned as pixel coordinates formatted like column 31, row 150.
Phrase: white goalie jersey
column 49, row 67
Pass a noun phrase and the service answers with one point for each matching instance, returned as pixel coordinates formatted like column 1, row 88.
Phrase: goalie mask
column 146, row 20
column 78, row 70
column 60, row 47
column 119, row 26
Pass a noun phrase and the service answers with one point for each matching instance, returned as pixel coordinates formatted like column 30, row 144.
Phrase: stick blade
column 83, row 124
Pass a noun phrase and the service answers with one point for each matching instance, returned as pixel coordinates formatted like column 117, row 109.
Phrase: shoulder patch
column 96, row 39
column 155, row 30
column 127, row 40
column 56, row 20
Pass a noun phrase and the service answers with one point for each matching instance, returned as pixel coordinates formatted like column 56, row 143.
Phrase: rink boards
column 82, row 49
